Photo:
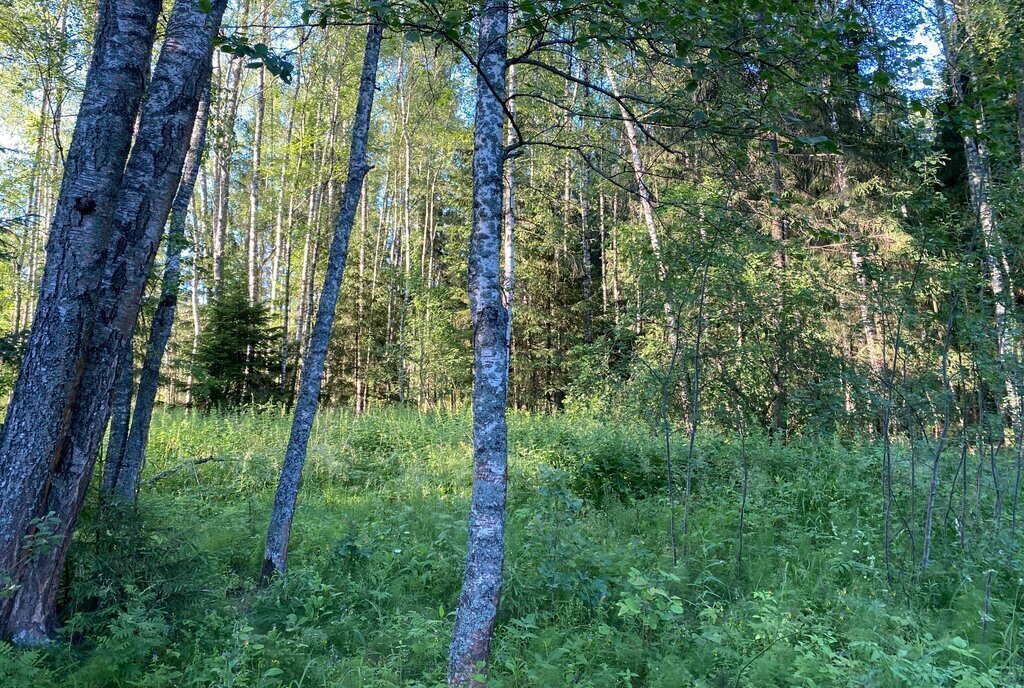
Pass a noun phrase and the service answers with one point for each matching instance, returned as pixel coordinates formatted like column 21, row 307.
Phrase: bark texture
column 126, row 481
column 276, row 553
column 38, row 415
column 482, row 581
column 143, row 202
column 120, row 417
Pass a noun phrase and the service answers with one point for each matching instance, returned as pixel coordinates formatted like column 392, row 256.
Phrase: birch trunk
column 142, row 205
column 403, row 378
column 275, row 269
column 588, row 264
column 130, row 467
column 222, row 174
column 508, row 277
column 979, row 181
column 31, row 442
column 276, row 552
column 360, row 303
column 646, row 205
column 252, row 236
column 482, row 580
column 120, row 417
column 194, row 304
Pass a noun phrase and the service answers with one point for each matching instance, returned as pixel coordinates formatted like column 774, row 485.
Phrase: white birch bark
column 482, row 580
column 278, row 533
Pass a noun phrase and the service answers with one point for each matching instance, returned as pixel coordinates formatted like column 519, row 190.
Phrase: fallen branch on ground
column 184, row 464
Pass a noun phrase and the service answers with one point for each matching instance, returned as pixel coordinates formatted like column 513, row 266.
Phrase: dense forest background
column 775, row 241
column 799, row 198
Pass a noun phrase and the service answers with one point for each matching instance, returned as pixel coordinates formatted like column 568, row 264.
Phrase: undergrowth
column 163, row 595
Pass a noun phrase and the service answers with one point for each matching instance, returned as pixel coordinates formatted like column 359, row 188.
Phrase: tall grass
column 164, row 595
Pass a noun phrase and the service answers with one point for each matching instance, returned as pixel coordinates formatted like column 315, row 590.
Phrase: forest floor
column 165, row 595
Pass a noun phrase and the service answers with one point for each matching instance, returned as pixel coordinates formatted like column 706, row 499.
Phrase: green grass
column 164, row 596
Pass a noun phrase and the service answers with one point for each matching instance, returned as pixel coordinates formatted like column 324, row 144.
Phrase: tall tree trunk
column 276, row 553
column 304, row 330
column 616, row 291
column 403, row 379
column 142, row 204
column 979, row 182
column 275, row 270
column 306, row 278
column 37, row 417
column 646, row 206
column 252, row 236
column 360, row 302
column 482, row 581
column 33, row 212
column 126, row 481
column 588, row 264
column 602, row 236
column 778, row 370
column 120, row 417
column 377, row 247
column 284, row 312
column 222, row 161
column 194, row 305
column 508, row 276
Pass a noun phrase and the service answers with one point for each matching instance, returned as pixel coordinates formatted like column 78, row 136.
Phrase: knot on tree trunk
column 84, row 205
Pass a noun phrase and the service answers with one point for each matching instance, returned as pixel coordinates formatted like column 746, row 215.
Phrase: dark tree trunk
column 120, row 417
column 276, row 554
column 126, row 480
column 482, row 581
column 143, row 202
column 38, row 415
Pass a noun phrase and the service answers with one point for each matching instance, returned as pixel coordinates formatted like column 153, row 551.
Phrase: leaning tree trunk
column 120, row 418
column 979, row 181
column 646, row 205
column 37, row 417
column 143, row 203
column 481, row 586
column 126, row 479
column 276, row 554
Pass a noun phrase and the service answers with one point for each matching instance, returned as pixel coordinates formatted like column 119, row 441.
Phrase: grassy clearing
column 164, row 596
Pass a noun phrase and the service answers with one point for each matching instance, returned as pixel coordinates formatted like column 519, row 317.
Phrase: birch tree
column 142, row 204
column 36, row 421
column 482, row 581
column 279, row 531
column 126, row 468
